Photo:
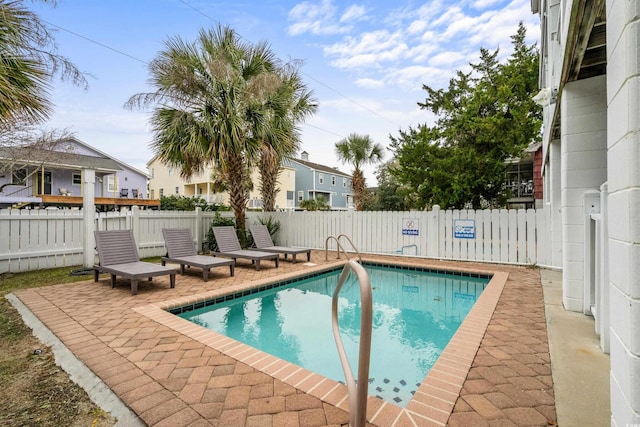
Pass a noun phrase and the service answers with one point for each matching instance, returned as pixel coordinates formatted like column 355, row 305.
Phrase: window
column 76, row 178
column 344, row 182
column 161, row 192
column 19, row 177
column 255, row 203
column 300, row 196
column 321, row 178
column 333, row 180
column 153, row 172
column 112, row 184
column 289, row 195
column 170, row 172
column 177, row 190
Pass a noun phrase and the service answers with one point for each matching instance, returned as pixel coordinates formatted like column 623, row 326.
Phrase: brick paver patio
column 174, row 377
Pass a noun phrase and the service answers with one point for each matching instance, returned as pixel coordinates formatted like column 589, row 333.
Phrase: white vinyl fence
column 37, row 239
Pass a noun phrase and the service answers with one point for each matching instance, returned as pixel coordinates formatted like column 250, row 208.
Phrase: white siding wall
column 623, row 143
column 584, row 167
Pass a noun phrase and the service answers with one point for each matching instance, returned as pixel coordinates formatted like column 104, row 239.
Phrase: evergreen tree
column 483, row 118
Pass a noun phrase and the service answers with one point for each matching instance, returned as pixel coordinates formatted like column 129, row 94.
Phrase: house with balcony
column 314, row 180
column 589, row 90
column 166, row 181
column 523, row 180
column 35, row 178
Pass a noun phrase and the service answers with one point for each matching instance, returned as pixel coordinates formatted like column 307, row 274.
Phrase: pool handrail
column 340, row 248
column 358, row 392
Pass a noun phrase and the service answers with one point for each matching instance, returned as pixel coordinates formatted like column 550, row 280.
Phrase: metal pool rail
column 358, row 392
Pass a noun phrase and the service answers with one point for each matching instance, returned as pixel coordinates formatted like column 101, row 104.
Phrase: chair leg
column 205, row 274
column 308, row 256
column 113, row 281
column 172, row 280
column 134, row 286
column 257, row 263
column 231, row 270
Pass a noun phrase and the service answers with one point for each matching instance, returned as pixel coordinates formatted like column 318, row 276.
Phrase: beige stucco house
column 167, row 181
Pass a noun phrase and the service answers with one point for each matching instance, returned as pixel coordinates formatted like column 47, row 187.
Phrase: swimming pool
column 416, row 312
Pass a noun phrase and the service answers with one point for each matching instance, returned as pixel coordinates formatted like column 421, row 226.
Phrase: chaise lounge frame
column 262, row 239
column 181, row 250
column 229, row 246
column 118, row 256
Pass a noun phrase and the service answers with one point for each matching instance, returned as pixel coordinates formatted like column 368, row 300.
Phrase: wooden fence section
column 36, row 239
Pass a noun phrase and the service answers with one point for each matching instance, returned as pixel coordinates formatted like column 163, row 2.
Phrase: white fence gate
column 37, row 239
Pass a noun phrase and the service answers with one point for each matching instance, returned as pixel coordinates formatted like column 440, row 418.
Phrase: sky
column 365, row 62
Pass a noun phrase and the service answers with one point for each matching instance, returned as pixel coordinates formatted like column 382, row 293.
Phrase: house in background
column 313, row 180
column 590, row 93
column 166, row 181
column 43, row 178
column 524, row 180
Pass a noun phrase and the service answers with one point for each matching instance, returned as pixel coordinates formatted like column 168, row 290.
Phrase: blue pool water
column 415, row 314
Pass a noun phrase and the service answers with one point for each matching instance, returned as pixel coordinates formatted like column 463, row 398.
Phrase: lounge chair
column 262, row 239
column 229, row 246
column 118, row 256
column 181, row 250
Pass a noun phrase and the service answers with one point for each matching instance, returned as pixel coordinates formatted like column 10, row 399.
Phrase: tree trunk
column 237, row 191
column 358, row 184
column 269, row 170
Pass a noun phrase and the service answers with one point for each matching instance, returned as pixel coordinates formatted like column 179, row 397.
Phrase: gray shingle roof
column 319, row 167
column 58, row 159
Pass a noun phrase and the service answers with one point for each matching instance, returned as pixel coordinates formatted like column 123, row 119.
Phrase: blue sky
column 365, row 61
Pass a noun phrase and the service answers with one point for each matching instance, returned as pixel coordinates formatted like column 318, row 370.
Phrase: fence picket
column 456, row 243
column 472, row 243
column 522, row 236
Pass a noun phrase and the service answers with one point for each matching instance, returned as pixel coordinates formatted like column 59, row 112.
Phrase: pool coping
column 432, row 403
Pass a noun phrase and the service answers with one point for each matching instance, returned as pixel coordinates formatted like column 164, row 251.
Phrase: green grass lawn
column 33, row 390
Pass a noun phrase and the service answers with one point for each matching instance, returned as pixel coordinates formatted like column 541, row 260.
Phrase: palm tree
column 358, row 150
column 289, row 105
column 29, row 61
column 211, row 107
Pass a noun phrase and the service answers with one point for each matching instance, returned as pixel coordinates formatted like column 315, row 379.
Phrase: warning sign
column 410, row 227
column 464, row 228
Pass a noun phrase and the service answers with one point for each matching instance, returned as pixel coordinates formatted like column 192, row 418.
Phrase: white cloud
column 483, row 4
column 417, row 27
column 323, row 18
column 370, row 49
column 447, row 59
column 422, row 52
column 413, row 77
column 353, row 13
column 369, row 83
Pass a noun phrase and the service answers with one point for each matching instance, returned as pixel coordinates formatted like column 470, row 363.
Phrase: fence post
column 198, row 228
column 89, row 214
column 135, row 222
column 433, row 232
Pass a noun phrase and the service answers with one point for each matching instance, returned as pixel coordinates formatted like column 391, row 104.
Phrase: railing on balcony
column 523, row 188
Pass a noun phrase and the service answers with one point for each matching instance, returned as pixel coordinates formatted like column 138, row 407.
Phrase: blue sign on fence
column 464, row 228
column 410, row 227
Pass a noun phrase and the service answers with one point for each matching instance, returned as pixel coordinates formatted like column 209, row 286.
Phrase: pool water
column 415, row 314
